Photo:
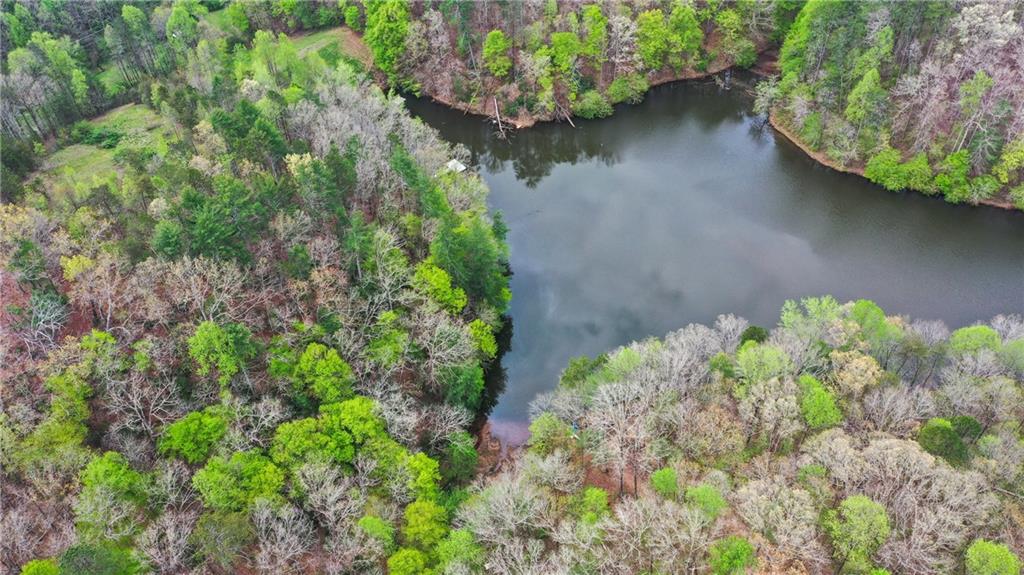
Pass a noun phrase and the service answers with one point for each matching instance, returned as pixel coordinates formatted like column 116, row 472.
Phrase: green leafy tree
column 866, row 102
column 653, row 38
column 548, row 433
column 734, row 43
column 424, row 476
column 426, row 524
column 665, row 482
column 168, row 239
column 112, row 472
column 322, row 373
column 938, row 437
column 378, row 529
column 592, row 104
column 627, row 88
column 226, row 349
column 565, row 49
column 182, row 29
column 408, row 561
column 496, row 53
column 731, row 556
column 483, row 338
column 858, row 528
column 591, row 505
column 884, row 169
column 707, row 498
column 468, row 250
column 917, row 174
column 990, row 558
column 595, row 33
column 974, row 339
column 353, row 18
column 461, row 457
column 464, row 384
column 459, row 552
column 221, row 536
column 953, row 178
column 387, row 25
column 193, row 436
column 98, row 559
column 302, row 440
column 436, row 284
column 234, row 484
column 40, row 566
column 818, row 404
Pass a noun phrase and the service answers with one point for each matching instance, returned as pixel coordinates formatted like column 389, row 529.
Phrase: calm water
column 683, row 207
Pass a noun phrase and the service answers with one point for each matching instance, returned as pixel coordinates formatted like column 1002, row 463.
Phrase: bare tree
column 283, row 536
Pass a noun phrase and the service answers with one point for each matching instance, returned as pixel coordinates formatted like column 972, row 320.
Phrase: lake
column 685, row 207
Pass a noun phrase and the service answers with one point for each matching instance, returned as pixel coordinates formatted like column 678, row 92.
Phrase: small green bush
column 628, row 88
column 731, row 556
column 707, row 498
column 665, row 483
column 592, row 104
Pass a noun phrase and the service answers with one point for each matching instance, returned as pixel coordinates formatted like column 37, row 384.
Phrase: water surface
column 685, row 207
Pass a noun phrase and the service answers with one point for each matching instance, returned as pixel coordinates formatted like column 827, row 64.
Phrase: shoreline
column 763, row 66
column 857, row 170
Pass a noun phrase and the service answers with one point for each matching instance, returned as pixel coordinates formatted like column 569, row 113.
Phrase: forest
column 251, row 306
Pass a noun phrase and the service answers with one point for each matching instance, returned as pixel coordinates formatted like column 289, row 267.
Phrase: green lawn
column 85, row 164
column 342, row 41
column 219, row 20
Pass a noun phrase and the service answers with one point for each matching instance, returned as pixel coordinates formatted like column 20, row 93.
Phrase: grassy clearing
column 85, row 164
column 219, row 19
column 324, row 42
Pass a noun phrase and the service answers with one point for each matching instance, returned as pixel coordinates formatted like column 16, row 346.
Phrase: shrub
column 628, row 88
column 884, row 169
column 592, row 104
column 812, row 130
column 591, row 505
column 731, row 556
column 352, row 18
column 665, row 482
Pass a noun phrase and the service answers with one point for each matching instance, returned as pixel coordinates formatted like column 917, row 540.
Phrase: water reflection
column 684, row 207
